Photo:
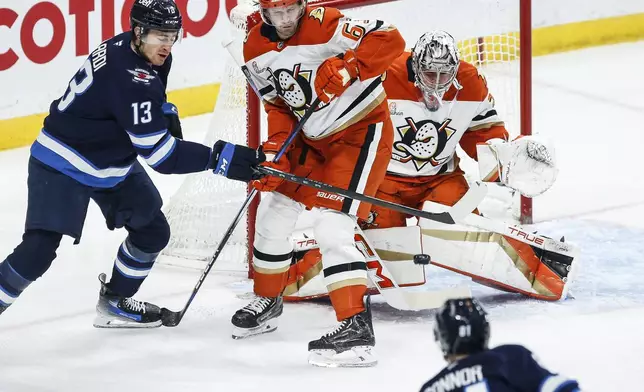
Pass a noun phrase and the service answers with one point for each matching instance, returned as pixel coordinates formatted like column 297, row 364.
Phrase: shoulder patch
column 140, row 75
column 317, row 13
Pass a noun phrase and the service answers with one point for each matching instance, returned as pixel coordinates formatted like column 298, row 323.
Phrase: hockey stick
column 461, row 212
column 172, row 319
column 456, row 213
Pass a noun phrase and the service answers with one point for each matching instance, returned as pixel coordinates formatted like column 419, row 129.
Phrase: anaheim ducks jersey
column 424, row 141
column 284, row 71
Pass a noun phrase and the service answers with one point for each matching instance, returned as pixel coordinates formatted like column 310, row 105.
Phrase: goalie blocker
column 491, row 259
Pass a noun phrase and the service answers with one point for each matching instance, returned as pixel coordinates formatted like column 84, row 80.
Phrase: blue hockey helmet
column 462, row 327
column 161, row 15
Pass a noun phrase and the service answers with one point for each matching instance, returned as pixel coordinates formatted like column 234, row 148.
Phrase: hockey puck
column 422, row 259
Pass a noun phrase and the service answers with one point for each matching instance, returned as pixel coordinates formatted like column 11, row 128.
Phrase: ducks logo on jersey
column 294, row 87
column 421, row 142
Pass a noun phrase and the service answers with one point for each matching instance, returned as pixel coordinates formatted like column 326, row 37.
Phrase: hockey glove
column 270, row 183
column 235, row 162
column 335, row 74
column 172, row 116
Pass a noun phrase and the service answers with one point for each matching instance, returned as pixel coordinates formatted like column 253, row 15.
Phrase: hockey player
column 437, row 103
column 114, row 110
column 296, row 54
column 462, row 331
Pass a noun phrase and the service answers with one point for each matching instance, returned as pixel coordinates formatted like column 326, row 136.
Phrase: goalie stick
column 172, row 319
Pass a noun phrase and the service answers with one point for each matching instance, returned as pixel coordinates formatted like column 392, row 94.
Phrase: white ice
column 591, row 102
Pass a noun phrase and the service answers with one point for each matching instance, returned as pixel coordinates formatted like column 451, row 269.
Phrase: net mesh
column 205, row 204
column 202, row 209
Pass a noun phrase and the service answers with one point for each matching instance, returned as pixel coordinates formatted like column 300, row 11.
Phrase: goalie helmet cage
column 493, row 35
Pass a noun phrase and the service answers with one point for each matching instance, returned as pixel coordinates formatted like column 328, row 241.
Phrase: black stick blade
column 170, row 318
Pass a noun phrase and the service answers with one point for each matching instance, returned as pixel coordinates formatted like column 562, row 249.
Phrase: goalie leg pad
column 396, row 247
column 496, row 260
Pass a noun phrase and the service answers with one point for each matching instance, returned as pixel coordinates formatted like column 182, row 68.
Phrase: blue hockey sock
column 131, row 267
column 12, row 284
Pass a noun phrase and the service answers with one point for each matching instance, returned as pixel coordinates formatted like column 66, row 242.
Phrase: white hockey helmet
column 435, row 62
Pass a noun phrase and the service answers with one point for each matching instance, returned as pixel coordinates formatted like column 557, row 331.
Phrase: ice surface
column 591, row 102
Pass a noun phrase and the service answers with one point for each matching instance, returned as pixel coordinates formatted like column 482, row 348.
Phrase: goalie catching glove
column 335, row 74
column 234, row 161
column 270, row 183
column 526, row 164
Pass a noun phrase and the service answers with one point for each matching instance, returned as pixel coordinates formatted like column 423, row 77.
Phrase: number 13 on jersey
column 141, row 113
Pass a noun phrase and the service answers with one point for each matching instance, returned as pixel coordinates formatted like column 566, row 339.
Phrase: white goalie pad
column 396, row 247
column 526, row 164
column 496, row 260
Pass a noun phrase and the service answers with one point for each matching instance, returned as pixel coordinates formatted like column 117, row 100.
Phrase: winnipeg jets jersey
column 424, row 141
column 509, row 368
column 285, row 71
column 110, row 113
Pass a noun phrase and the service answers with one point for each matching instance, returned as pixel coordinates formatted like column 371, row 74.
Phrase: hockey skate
column 350, row 344
column 3, row 308
column 113, row 311
column 258, row 317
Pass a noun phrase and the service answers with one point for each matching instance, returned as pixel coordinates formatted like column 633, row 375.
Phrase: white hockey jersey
column 425, row 142
column 284, row 71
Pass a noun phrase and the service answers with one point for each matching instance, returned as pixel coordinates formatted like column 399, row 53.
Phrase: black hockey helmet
column 462, row 327
column 161, row 15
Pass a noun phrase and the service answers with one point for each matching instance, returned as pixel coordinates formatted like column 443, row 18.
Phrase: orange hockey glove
column 335, row 74
column 270, row 183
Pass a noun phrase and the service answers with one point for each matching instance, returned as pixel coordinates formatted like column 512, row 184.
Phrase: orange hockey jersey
column 424, row 141
column 284, row 71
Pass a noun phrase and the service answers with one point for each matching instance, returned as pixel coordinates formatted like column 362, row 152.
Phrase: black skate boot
column 113, row 311
column 3, row 308
column 350, row 344
column 259, row 316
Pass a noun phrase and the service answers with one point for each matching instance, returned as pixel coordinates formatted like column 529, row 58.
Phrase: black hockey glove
column 235, row 162
column 172, row 116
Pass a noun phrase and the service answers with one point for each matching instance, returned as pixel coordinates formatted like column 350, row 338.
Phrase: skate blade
column 112, row 322
column 359, row 356
column 243, row 333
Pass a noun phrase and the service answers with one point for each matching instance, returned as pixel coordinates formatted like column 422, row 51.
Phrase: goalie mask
column 284, row 15
column 435, row 62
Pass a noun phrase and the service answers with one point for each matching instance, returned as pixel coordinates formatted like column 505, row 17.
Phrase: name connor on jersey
column 457, row 379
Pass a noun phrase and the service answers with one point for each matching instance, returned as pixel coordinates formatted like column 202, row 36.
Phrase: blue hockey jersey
column 509, row 368
column 110, row 113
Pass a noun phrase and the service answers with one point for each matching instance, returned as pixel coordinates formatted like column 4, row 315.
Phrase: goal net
column 488, row 35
